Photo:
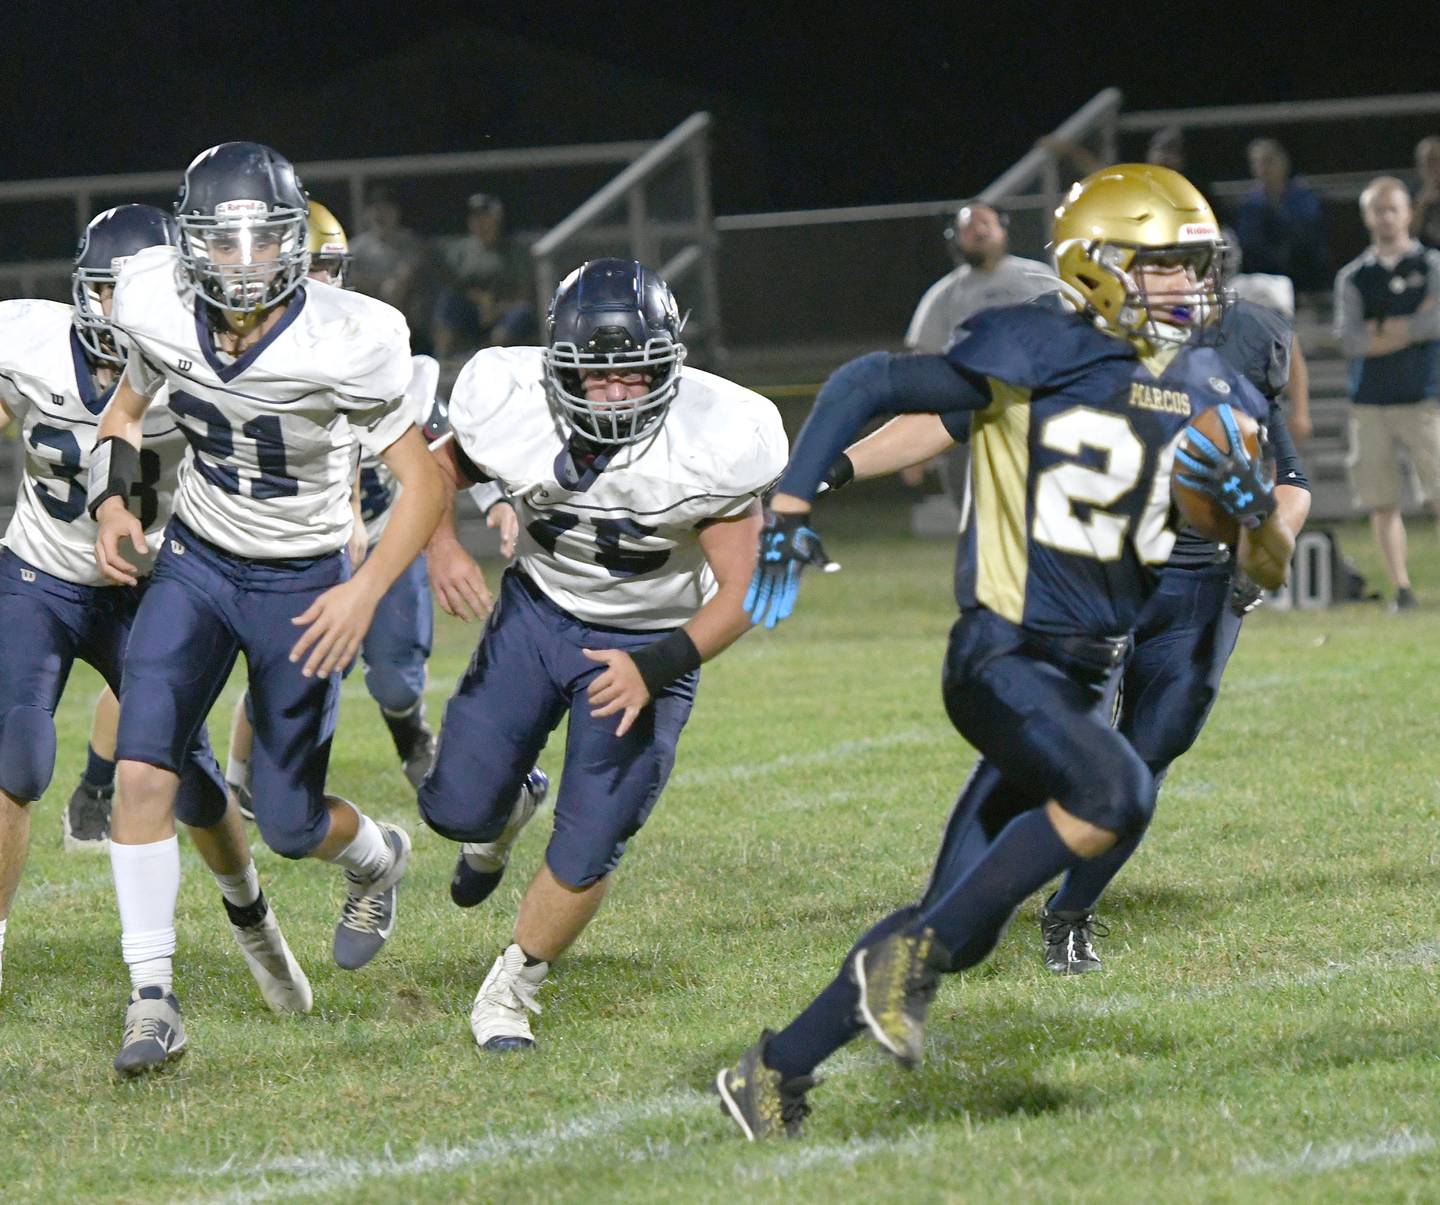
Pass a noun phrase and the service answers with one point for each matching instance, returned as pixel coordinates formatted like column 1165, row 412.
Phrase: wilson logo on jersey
column 1166, row 401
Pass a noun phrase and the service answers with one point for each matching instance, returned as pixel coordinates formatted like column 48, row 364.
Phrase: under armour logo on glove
column 1242, row 486
column 787, row 545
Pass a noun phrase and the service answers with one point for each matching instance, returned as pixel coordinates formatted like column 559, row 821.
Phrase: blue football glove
column 787, row 545
column 1243, row 487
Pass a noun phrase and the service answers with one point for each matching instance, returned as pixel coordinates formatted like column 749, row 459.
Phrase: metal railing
column 680, row 243
column 83, row 193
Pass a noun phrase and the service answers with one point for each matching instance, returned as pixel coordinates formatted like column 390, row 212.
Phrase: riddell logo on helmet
column 241, row 209
column 1199, row 230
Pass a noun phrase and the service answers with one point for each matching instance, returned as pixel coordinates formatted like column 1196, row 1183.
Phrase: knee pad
column 397, row 688
column 27, row 752
column 1121, row 799
column 287, row 841
column 462, row 820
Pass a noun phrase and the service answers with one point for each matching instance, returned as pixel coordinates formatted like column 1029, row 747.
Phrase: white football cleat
column 281, row 981
column 498, row 1017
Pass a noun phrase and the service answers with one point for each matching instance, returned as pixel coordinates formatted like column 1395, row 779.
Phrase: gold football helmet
column 1121, row 220
column 328, row 246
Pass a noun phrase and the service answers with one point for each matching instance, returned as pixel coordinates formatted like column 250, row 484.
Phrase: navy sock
column 1080, row 890
column 99, row 771
column 405, row 727
column 830, row 1020
column 969, row 918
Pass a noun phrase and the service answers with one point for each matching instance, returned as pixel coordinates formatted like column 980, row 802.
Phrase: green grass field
column 1267, row 1025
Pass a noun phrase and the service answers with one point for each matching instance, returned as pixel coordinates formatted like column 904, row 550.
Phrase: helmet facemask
column 1117, row 289
column 92, row 327
column 245, row 258
column 611, row 349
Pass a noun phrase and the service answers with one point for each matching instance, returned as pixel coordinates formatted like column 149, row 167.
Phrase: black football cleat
column 897, row 977
column 759, row 1100
column 481, row 866
column 1070, row 941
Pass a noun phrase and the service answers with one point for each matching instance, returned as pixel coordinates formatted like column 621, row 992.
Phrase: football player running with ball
column 273, row 379
column 637, row 482
column 1076, row 419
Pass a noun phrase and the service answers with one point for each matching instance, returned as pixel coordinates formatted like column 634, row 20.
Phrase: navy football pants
column 399, row 640
column 45, row 625
column 202, row 609
column 527, row 673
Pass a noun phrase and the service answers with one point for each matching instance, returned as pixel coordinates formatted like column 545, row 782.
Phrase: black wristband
column 841, row 473
column 114, row 469
column 505, row 498
column 667, row 659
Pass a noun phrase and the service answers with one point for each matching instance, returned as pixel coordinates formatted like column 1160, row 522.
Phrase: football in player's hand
column 1199, row 509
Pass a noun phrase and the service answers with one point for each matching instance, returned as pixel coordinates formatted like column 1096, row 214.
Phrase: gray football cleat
column 154, row 1034
column 368, row 916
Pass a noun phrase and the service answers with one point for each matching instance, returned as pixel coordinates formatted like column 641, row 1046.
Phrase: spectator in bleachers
column 1387, row 317
column 487, row 300
column 1280, row 223
column 986, row 275
column 1425, row 223
column 389, row 261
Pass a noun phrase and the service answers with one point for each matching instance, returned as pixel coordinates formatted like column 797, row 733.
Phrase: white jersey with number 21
column 274, row 429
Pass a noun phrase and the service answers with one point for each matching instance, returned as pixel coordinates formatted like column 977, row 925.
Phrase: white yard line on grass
column 312, row 1175
column 732, row 774
column 1425, row 954
column 1336, row 1156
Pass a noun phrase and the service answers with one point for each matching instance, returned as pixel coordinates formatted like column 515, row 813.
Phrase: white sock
column 2, row 943
column 241, row 889
column 147, row 880
column 235, row 771
column 369, row 855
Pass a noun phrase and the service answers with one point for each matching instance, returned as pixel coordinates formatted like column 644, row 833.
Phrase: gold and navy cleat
column 897, row 977
column 759, row 1100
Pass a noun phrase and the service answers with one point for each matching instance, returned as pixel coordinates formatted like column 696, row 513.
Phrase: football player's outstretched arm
column 113, row 469
column 629, row 681
column 906, row 440
column 335, row 623
column 862, row 390
column 455, row 576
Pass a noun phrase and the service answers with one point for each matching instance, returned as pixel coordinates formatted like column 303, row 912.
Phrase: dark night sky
column 813, row 107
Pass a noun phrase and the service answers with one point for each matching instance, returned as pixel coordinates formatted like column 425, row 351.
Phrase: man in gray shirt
column 987, row 276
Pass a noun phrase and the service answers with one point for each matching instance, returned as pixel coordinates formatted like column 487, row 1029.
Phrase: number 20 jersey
column 616, row 542
column 46, row 384
column 1070, row 465
column 274, row 429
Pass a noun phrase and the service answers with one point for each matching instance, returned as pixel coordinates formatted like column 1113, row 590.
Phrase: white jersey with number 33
column 274, row 429
column 616, row 541
column 46, row 385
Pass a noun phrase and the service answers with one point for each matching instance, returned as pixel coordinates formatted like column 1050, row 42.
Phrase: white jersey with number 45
column 616, row 541
column 274, row 429
column 46, row 385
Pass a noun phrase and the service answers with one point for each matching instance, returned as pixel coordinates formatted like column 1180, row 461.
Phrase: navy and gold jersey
column 1070, row 510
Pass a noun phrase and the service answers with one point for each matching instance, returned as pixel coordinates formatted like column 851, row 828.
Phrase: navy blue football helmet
column 109, row 240
column 613, row 314
column 242, row 216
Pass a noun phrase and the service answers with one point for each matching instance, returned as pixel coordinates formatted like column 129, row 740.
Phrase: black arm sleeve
column 1288, row 469
column 863, row 389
